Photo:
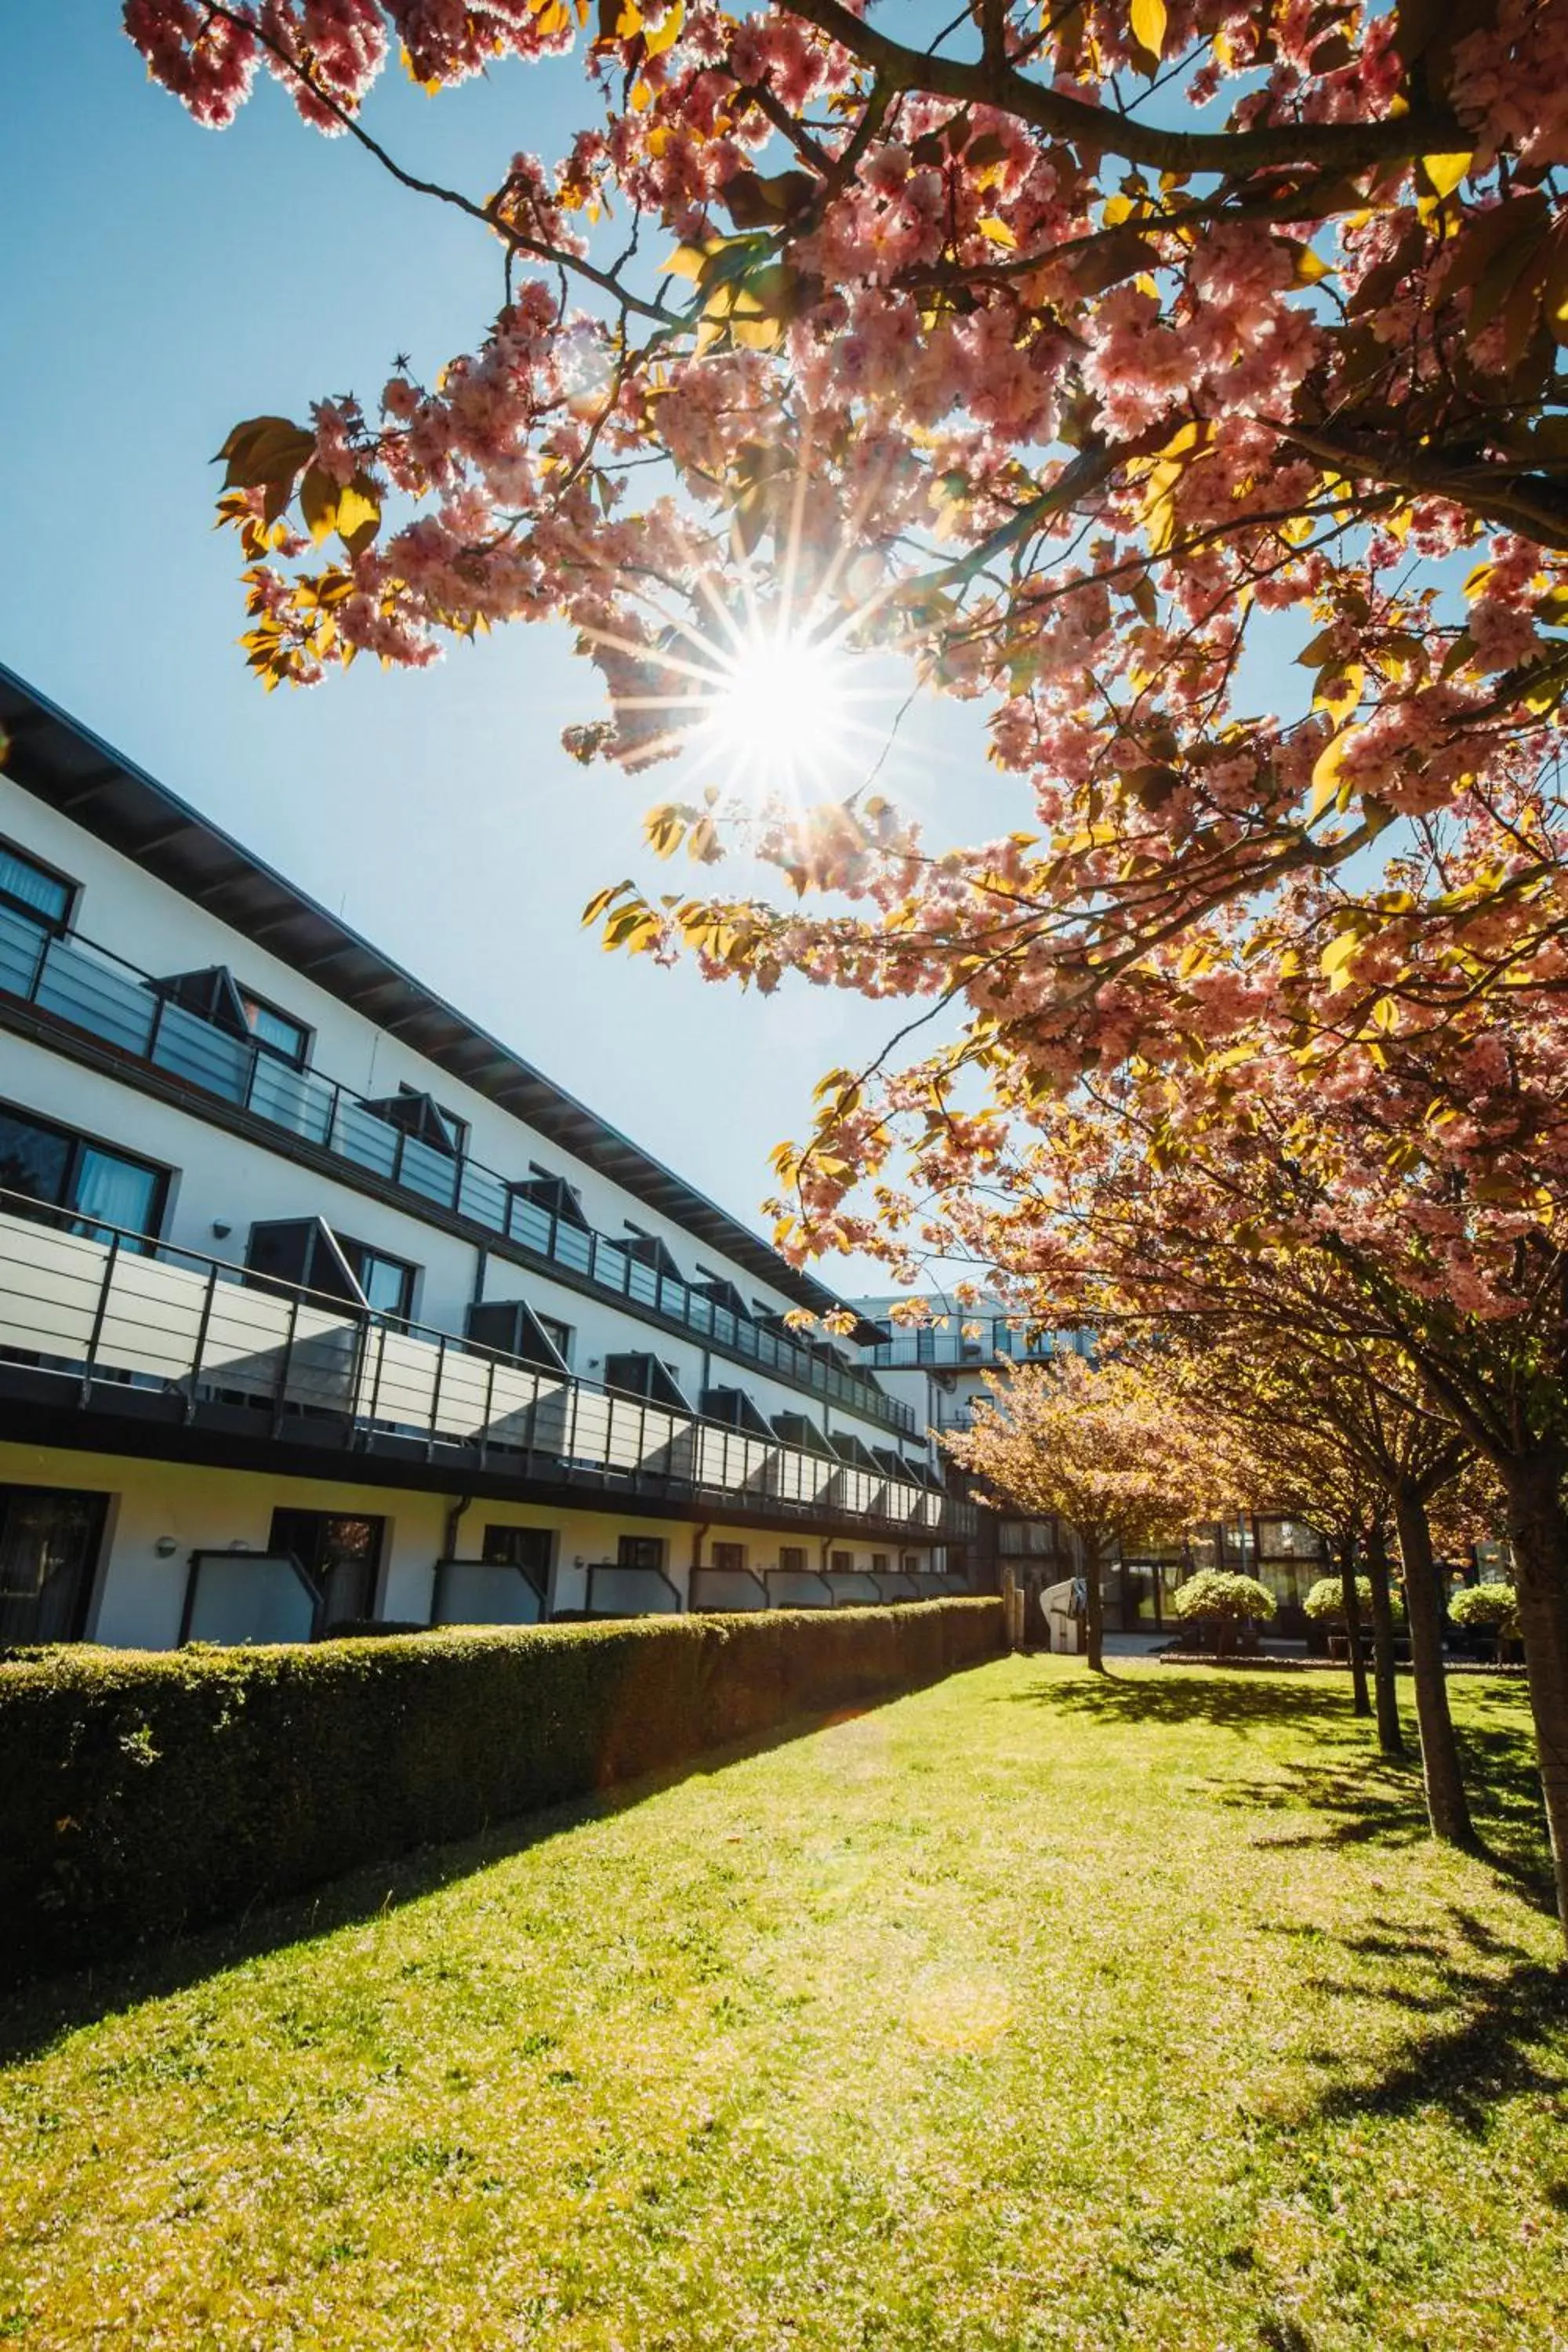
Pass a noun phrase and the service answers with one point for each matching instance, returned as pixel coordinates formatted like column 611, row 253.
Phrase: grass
column 1017, row 2013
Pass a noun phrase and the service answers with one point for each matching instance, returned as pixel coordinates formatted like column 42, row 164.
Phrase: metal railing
column 114, row 1321
column 96, row 991
column 954, row 1349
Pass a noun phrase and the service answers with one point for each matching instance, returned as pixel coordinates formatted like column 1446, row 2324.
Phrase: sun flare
column 778, row 717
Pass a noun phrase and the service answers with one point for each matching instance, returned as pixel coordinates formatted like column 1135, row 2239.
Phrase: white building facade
column 317, row 1305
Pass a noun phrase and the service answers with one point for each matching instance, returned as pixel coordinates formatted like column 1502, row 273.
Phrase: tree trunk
column 1538, row 1533
column 1094, row 1609
column 1390, row 1737
column 1446, row 1808
column 1351, row 1601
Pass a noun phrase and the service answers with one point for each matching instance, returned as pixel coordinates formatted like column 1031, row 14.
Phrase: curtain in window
column 21, row 880
column 114, row 1190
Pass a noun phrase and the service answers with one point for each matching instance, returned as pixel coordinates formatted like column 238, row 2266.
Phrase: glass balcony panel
column 295, row 1099
column 528, row 1224
column 240, row 1597
column 482, row 1197
column 370, row 1143
column 642, row 1283
column 95, row 995
column 431, row 1173
column 22, row 945
column 609, row 1264
column 194, row 1049
column 573, row 1247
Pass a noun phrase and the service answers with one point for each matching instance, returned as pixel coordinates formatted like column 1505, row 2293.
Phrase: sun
column 778, row 714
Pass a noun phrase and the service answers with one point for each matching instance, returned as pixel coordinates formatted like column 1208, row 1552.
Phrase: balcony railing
column 98, row 992
column 116, row 1322
column 946, row 1349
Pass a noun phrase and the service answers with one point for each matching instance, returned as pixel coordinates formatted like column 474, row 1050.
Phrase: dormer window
column 645, row 1377
column 735, row 1408
column 211, row 995
column 29, row 888
column 553, row 1195
column 722, row 1294
column 420, row 1116
column 648, row 1250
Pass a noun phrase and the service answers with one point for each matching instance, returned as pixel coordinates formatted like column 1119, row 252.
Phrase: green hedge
column 144, row 1793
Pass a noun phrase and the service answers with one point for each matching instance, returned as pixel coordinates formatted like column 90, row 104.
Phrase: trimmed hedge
column 143, row 1793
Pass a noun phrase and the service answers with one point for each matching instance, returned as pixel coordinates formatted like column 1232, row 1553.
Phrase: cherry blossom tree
column 1084, row 362
column 1098, row 1447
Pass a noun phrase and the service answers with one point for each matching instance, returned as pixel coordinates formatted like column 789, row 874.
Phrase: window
column 387, row 1283
column 878, row 1563
column 841, row 1563
column 340, row 1556
column 640, row 1551
column 31, row 888
column 791, row 1560
column 730, row 1558
column 558, row 1334
column 528, row 1549
column 645, row 1376
column 49, row 1540
column 58, row 1169
column 276, row 1032
column 305, row 1252
column 910, row 1563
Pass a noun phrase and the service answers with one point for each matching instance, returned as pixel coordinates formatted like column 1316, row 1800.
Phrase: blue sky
column 159, row 282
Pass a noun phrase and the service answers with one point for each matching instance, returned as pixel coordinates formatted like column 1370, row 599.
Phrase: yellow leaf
column 1338, row 691
column 996, row 230
column 1340, row 950
column 1446, row 171
column 1326, row 778
column 661, row 37
column 1149, row 26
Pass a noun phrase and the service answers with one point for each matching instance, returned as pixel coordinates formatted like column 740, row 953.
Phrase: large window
column 49, row 1540
column 730, row 1557
column 791, row 1560
column 28, row 888
column 340, row 1554
column 58, row 1169
column 528, row 1549
column 640, row 1551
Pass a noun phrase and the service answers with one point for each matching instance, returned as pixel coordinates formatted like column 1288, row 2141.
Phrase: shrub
column 1216, row 1592
column 1326, row 1600
column 1227, row 1599
column 1492, row 1605
column 142, row 1793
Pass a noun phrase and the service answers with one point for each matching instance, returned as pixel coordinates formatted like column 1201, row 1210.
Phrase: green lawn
column 1019, row 2013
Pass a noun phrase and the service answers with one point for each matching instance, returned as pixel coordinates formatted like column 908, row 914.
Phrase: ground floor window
column 842, row 1563
column 730, row 1557
column 792, row 1559
column 911, row 1563
column 339, row 1553
column 50, row 1540
column 878, row 1563
column 640, row 1551
column 525, row 1548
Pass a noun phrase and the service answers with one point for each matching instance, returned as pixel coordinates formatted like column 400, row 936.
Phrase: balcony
column 948, row 1348
column 117, row 1325
column 89, row 990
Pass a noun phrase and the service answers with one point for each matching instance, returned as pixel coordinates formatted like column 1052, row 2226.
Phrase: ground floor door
column 49, row 1541
column 341, row 1554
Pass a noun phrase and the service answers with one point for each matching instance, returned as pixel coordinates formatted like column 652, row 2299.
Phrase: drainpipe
column 697, row 1535
column 482, row 1267
column 454, row 1519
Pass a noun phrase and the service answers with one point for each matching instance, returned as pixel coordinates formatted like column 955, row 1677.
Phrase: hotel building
column 319, row 1305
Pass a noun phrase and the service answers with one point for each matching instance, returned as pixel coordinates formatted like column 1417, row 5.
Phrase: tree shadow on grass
column 1225, row 1696
column 36, row 2015
column 1355, row 1796
column 1494, row 2026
